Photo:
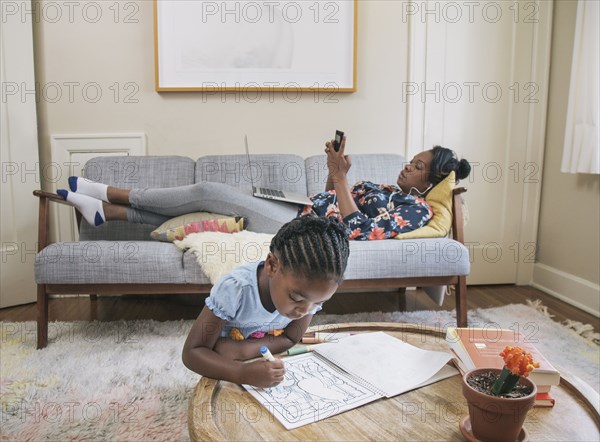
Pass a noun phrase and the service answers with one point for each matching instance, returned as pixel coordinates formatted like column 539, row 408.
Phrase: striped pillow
column 179, row 227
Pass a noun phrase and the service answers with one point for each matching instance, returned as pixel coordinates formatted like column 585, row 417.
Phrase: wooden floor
column 174, row 307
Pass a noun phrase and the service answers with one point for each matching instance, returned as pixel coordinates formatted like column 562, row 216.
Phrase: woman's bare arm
column 338, row 165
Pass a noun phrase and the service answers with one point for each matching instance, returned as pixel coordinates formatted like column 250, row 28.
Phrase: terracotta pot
column 495, row 418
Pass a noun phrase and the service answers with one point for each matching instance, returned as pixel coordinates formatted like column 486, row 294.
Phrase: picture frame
column 245, row 45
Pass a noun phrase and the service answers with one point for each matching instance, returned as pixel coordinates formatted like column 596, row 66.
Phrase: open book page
column 389, row 364
column 447, row 371
column 313, row 389
column 349, row 373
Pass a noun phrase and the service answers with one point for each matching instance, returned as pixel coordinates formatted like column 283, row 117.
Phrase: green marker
column 299, row 349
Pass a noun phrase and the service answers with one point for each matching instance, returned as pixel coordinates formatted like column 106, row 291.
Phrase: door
column 19, row 161
column 479, row 82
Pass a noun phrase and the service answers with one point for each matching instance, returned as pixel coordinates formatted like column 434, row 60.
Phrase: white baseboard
column 569, row 288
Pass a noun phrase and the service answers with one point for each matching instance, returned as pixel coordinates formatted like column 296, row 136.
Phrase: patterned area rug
column 125, row 380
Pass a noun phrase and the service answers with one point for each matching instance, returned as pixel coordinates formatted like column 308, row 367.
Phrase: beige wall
column 569, row 234
column 193, row 124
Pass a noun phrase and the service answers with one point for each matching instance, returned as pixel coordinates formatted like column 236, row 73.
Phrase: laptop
column 274, row 194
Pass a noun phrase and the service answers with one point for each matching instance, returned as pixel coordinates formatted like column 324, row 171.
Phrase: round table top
column 220, row 410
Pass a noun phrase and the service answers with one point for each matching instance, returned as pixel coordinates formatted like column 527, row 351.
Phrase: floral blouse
column 384, row 211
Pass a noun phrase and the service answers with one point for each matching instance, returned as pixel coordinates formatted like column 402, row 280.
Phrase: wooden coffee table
column 220, row 410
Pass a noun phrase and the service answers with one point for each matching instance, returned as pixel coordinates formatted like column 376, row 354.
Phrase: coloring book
column 343, row 375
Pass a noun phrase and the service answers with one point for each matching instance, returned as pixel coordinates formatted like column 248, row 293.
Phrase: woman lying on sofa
column 371, row 211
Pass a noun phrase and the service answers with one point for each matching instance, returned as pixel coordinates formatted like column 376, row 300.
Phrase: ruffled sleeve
column 225, row 298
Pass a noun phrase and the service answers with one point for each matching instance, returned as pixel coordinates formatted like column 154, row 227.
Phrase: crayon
column 311, row 340
column 332, row 336
column 298, row 350
column 321, row 338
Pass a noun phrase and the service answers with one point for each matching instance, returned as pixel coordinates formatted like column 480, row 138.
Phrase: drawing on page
column 313, row 390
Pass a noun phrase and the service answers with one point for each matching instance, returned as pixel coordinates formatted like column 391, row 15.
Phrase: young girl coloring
column 275, row 299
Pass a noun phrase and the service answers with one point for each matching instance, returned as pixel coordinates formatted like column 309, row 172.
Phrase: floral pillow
column 179, row 227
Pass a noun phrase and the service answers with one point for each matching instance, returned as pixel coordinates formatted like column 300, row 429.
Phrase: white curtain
column 581, row 152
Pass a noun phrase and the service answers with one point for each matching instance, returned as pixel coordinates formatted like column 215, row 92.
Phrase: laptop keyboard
column 272, row 192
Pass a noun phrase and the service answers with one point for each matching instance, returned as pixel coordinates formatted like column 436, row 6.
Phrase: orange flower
column 236, row 335
column 332, row 210
column 518, row 361
column 307, row 210
column 354, row 234
column 377, row 233
column 400, row 221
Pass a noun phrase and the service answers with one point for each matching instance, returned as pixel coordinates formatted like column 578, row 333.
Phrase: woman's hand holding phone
column 338, row 164
column 337, row 141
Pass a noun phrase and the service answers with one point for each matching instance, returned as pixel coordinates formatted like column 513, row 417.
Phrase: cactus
column 517, row 363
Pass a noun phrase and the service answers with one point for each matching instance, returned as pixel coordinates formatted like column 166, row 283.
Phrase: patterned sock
column 86, row 187
column 90, row 208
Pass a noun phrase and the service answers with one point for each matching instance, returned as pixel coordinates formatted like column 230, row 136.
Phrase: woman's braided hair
column 313, row 247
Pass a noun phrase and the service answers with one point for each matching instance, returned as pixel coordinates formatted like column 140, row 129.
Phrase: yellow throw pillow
column 440, row 200
column 179, row 227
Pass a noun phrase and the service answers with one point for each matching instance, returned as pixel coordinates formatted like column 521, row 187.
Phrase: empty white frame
column 203, row 45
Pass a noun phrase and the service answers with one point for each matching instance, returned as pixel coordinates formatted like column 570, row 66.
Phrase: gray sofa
column 120, row 258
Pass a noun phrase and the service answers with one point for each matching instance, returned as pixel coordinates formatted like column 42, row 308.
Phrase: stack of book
column 481, row 347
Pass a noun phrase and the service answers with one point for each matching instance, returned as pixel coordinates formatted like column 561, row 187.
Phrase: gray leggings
column 155, row 206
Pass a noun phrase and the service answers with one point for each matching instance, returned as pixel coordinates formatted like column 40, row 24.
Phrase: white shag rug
column 125, row 380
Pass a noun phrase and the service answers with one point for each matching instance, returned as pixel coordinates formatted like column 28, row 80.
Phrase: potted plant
column 499, row 400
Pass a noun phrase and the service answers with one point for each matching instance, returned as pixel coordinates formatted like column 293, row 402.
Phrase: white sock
column 90, row 208
column 87, row 187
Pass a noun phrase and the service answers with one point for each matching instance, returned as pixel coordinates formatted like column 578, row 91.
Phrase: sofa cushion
column 378, row 168
column 276, row 171
column 106, row 262
column 408, row 258
column 132, row 172
column 192, row 272
column 395, row 259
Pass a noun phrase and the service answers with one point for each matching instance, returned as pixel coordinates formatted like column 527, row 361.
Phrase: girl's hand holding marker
column 265, row 373
column 264, row 351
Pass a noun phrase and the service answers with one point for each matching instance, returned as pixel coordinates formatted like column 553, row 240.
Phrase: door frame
column 19, row 156
column 422, row 122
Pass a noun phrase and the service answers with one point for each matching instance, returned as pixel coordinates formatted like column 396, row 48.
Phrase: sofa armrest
column 457, row 215
column 44, row 215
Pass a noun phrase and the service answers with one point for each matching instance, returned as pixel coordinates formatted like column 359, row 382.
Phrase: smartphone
column 337, row 142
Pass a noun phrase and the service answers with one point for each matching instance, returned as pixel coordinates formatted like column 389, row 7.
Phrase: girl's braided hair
column 313, row 247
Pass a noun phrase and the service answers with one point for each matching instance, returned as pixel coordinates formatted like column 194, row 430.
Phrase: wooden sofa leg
column 42, row 316
column 461, row 302
column 401, row 299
